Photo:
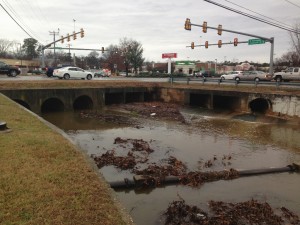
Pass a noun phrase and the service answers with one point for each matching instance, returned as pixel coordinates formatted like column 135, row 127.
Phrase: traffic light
column 187, row 24
column 220, row 29
column 62, row 39
column 206, row 44
column 81, row 33
column 220, row 43
column 204, row 27
column 102, row 49
column 192, row 45
column 74, row 36
column 68, row 37
column 235, row 41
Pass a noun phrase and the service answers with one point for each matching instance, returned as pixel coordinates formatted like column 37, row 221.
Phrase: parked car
column 49, row 71
column 203, row 74
column 10, row 71
column 230, row 75
column 72, row 72
column 292, row 73
column 254, row 75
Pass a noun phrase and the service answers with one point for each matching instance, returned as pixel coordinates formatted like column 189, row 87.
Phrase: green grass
column 44, row 179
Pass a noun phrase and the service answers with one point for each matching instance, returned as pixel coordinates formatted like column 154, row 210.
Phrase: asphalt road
column 153, row 79
column 44, row 77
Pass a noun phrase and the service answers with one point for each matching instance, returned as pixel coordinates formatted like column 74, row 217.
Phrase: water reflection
column 252, row 143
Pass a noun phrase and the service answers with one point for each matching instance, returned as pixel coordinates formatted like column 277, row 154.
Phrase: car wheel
column 278, row 79
column 256, row 79
column 13, row 73
column 89, row 77
column 222, row 78
column 237, row 79
column 66, row 76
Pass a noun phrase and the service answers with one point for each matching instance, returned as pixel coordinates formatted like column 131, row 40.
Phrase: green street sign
column 256, row 41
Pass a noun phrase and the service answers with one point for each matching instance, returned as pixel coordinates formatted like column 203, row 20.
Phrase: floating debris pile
column 160, row 110
column 222, row 213
column 155, row 175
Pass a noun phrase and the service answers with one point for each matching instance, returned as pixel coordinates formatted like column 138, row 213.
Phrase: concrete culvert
column 259, row 105
column 52, row 105
column 83, row 102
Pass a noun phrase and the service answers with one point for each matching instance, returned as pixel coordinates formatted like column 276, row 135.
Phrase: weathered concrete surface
column 279, row 104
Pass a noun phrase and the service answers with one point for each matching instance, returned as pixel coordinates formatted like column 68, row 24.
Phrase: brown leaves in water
column 222, row 213
column 155, row 173
column 195, row 179
column 124, row 162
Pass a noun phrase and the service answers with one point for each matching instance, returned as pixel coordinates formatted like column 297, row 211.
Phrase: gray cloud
column 158, row 25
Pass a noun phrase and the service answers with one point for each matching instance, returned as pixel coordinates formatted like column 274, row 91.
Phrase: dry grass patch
column 44, row 179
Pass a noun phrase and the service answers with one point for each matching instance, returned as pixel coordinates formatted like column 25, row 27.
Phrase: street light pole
column 20, row 53
column 54, row 33
column 216, row 67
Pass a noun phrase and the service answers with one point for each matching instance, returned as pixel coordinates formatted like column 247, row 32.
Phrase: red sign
column 169, row 55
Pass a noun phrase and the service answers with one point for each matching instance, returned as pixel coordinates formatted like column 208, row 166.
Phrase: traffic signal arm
column 232, row 31
column 225, row 43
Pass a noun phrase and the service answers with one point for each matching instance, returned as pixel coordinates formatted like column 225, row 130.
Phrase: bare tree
column 5, row 46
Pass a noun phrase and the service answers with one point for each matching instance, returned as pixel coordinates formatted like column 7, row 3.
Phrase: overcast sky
column 157, row 24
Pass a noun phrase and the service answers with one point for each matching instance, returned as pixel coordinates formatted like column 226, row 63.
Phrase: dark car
column 203, row 74
column 10, row 71
column 49, row 72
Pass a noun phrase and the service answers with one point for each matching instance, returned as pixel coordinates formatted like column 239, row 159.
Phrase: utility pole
column 54, row 34
column 69, row 46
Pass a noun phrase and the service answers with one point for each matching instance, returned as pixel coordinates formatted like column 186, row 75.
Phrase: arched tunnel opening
column 231, row 103
column 259, row 105
column 82, row 103
column 22, row 103
column 52, row 105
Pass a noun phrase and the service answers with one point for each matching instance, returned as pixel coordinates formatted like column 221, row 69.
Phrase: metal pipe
column 138, row 180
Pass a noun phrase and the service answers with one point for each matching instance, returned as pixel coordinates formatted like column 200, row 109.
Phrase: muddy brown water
column 252, row 142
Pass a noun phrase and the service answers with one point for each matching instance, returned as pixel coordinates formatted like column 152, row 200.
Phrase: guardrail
column 219, row 81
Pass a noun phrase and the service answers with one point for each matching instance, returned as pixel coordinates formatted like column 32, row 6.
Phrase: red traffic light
column 235, row 41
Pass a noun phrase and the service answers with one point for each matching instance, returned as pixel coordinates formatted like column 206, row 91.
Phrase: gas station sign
column 169, row 55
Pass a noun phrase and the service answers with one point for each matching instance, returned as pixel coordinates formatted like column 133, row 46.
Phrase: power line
column 16, row 17
column 258, row 13
column 292, row 3
column 254, row 17
column 16, row 21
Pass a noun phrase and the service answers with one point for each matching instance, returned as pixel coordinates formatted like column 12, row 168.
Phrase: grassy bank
column 44, row 179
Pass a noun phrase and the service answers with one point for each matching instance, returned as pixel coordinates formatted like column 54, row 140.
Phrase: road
column 186, row 80
column 44, row 77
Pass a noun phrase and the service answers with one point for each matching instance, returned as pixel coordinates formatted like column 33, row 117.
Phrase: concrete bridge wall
column 38, row 100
